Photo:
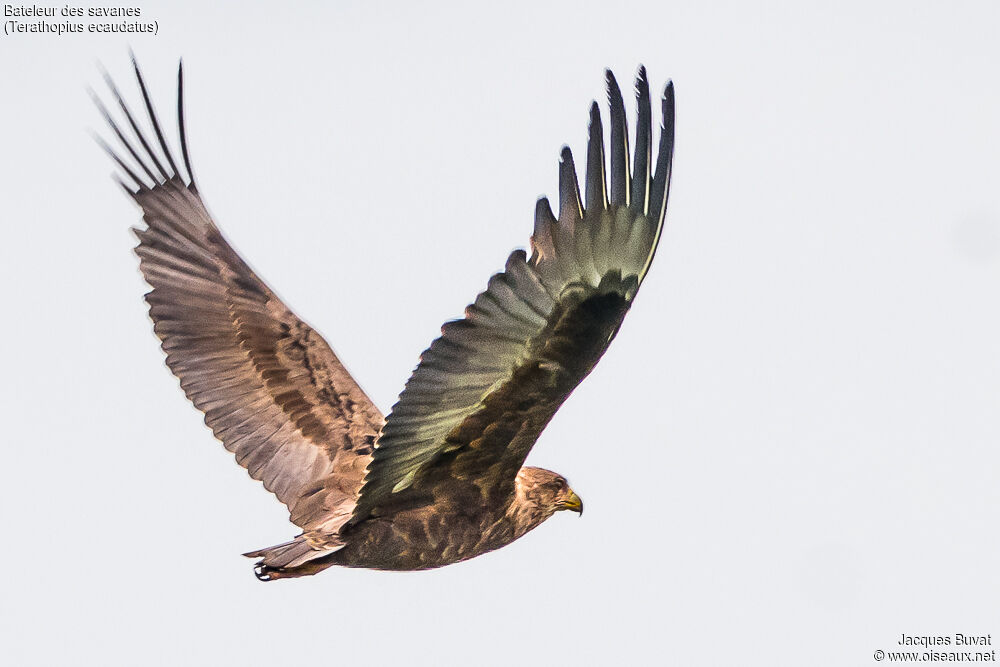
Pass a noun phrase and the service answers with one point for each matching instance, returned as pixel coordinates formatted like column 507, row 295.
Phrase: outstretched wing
column 486, row 388
column 271, row 388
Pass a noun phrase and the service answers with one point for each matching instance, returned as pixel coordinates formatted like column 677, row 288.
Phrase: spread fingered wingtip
column 541, row 235
column 664, row 157
column 570, row 207
column 181, row 128
column 643, row 138
column 121, row 138
column 140, row 185
column 667, row 100
column 620, row 176
column 146, row 158
column 152, row 118
column 135, row 129
column 596, row 189
column 641, row 185
column 543, row 211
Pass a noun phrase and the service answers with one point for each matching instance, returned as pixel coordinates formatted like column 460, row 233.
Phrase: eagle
column 442, row 478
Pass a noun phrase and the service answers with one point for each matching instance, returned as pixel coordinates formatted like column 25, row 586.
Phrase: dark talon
column 262, row 572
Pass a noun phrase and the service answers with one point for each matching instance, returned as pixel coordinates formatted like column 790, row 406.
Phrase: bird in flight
column 441, row 479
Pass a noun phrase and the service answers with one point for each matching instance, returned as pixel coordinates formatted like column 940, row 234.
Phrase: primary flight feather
column 441, row 479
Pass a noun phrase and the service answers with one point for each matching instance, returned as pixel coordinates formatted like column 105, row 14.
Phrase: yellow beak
column 573, row 502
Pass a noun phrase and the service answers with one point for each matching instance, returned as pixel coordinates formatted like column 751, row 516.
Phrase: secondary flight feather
column 442, row 478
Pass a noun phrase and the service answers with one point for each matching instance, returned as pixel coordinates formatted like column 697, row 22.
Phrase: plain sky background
column 788, row 457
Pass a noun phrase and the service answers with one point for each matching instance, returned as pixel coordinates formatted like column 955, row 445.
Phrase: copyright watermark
column 957, row 647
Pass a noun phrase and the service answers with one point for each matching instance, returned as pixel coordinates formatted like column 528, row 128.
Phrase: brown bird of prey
column 441, row 479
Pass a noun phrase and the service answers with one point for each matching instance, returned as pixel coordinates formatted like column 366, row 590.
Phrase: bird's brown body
column 429, row 536
column 442, row 478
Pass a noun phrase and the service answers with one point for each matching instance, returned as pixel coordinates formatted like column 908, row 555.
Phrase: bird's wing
column 484, row 390
column 271, row 388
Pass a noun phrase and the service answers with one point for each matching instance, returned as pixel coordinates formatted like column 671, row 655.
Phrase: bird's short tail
column 290, row 559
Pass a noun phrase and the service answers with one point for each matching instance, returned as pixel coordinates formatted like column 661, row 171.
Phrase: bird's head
column 546, row 492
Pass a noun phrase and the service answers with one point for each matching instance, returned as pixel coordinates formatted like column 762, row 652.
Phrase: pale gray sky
column 789, row 456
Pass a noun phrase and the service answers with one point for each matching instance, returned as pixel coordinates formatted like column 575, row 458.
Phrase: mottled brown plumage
column 442, row 479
